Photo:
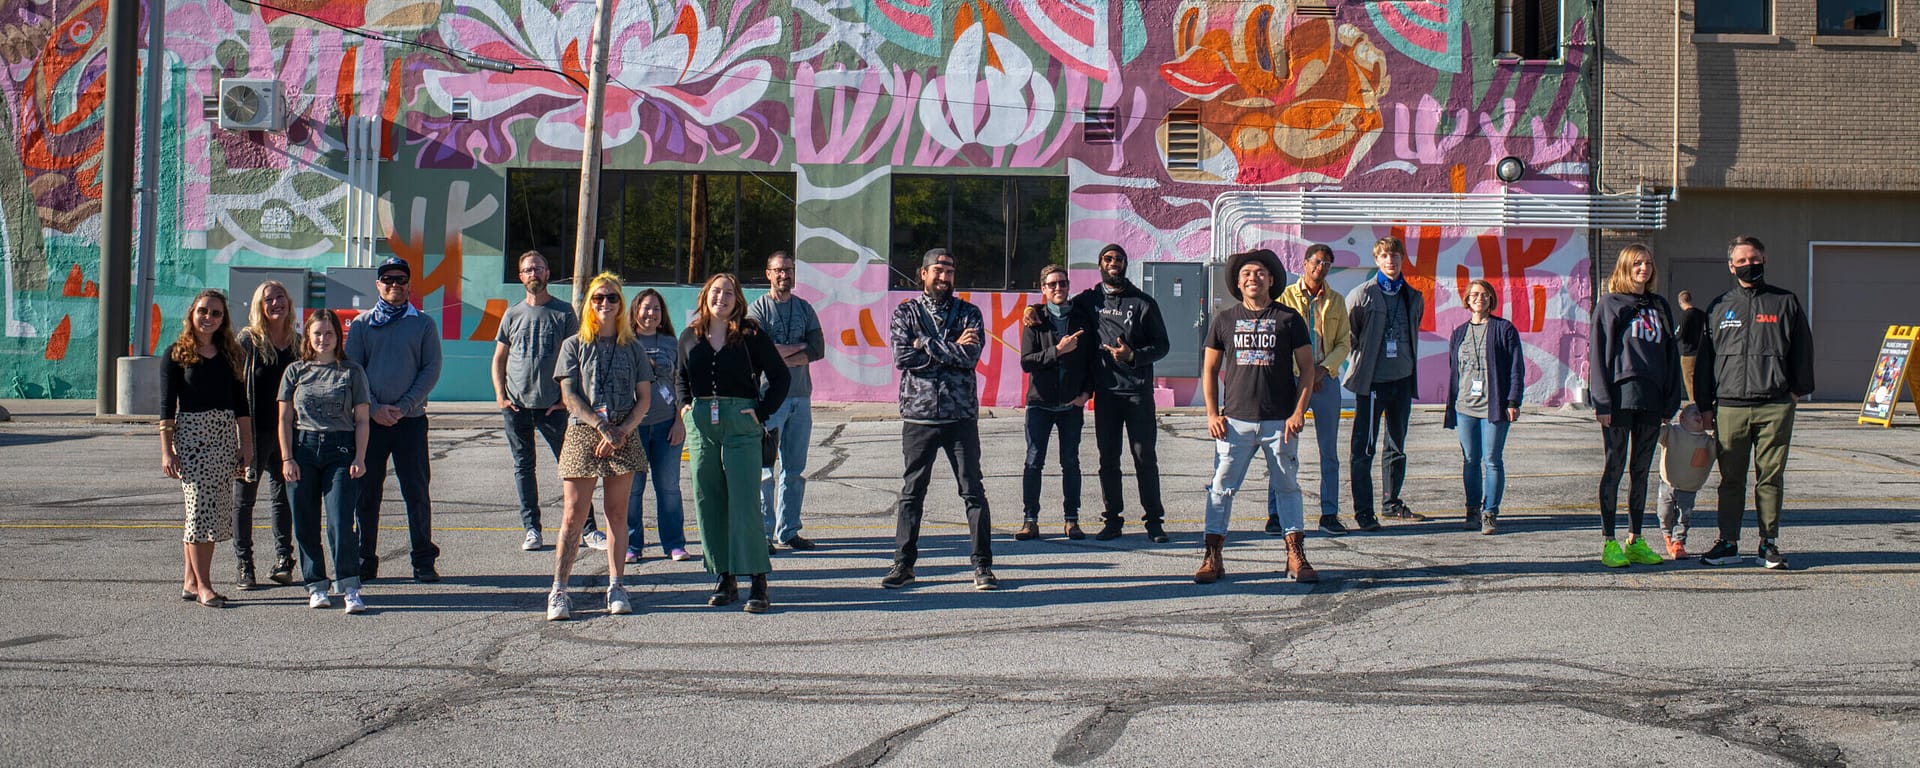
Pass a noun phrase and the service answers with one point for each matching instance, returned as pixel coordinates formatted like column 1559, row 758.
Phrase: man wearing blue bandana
column 1382, row 374
column 399, row 346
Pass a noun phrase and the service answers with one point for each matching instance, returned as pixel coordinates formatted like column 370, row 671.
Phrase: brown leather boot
column 1212, row 565
column 1297, row 565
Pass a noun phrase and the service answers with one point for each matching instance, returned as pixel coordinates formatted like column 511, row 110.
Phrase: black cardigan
column 733, row 371
column 1054, row 379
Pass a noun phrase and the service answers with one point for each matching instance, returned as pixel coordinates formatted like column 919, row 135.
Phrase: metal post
column 149, row 183
column 585, row 236
column 116, row 212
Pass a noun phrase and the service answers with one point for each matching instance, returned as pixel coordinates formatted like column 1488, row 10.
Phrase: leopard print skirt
column 207, row 446
column 577, row 459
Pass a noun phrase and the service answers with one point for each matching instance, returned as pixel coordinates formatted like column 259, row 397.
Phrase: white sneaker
column 319, row 600
column 617, row 602
column 532, row 542
column 354, row 603
column 595, row 539
column 559, row 606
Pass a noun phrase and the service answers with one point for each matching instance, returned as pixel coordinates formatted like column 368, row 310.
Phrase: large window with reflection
column 654, row 226
column 1000, row 229
column 1853, row 17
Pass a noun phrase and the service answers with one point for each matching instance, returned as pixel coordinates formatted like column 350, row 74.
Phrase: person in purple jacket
column 1487, row 377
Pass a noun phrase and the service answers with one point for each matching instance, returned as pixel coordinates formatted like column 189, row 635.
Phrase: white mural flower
column 990, row 93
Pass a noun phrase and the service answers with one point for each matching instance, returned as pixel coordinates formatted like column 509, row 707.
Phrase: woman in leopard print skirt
column 205, row 434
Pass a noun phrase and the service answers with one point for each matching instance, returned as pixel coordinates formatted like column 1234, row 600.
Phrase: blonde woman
column 205, row 435
column 604, row 379
column 267, row 347
column 724, row 361
column 327, row 398
column 1635, row 372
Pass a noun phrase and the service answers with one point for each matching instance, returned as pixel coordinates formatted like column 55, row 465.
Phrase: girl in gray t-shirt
column 323, row 436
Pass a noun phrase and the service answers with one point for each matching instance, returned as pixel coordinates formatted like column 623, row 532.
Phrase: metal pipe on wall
column 149, row 183
column 116, row 210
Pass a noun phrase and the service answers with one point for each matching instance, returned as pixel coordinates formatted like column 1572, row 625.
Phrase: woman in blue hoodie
column 1635, row 372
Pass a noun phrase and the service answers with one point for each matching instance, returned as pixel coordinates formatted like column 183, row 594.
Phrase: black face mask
column 1751, row 274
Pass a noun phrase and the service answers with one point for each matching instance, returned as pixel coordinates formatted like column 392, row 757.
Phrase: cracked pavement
column 1422, row 644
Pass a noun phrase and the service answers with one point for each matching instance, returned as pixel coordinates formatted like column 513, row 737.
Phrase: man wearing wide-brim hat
column 1255, row 346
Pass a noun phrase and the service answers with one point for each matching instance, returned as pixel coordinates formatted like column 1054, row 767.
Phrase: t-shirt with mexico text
column 1257, row 360
column 324, row 394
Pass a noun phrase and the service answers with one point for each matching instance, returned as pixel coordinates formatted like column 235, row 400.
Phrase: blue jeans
column 782, row 510
column 406, row 444
column 1041, row 424
column 520, row 426
column 663, row 463
column 1482, row 445
column 324, row 458
column 1234, row 453
column 1325, row 407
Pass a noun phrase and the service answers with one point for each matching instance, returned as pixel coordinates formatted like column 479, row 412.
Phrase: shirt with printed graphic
column 1256, row 351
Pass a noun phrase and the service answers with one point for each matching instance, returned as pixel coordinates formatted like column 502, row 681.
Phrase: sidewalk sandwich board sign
column 1892, row 373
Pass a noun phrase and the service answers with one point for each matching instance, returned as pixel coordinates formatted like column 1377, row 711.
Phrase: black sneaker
column 1156, row 533
column 282, row 571
column 898, row 576
column 1770, row 556
column 801, row 543
column 1395, row 510
column 426, row 575
column 1723, row 553
column 1273, row 526
column 984, row 580
column 244, row 580
column 1329, row 525
column 1365, row 521
column 1109, row 532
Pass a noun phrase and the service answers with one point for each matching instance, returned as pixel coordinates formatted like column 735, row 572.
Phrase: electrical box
column 241, row 282
column 351, row 288
column 1180, row 288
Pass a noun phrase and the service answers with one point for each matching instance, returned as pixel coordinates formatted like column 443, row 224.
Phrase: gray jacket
column 1367, row 316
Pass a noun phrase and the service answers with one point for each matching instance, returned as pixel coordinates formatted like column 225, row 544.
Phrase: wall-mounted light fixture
column 1510, row 169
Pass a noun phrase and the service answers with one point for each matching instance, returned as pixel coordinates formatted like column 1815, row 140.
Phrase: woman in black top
column 1059, row 382
column 1635, row 366
column 724, row 360
column 267, row 348
column 206, row 435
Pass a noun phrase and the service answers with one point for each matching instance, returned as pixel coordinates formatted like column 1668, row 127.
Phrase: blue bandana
column 384, row 313
column 1391, row 287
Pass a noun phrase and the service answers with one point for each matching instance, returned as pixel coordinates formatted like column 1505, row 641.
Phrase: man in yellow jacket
column 1326, row 314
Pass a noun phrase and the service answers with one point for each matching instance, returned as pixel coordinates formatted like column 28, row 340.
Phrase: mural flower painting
column 990, row 93
column 1301, row 112
column 664, row 51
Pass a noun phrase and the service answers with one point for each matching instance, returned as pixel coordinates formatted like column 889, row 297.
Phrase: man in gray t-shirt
column 523, row 386
column 795, row 329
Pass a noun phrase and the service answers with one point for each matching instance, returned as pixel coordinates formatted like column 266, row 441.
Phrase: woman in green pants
column 725, row 359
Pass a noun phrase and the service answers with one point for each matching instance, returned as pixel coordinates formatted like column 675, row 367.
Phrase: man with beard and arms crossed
column 937, row 339
column 790, row 321
column 1325, row 312
column 1132, row 337
column 529, row 398
column 399, row 347
column 1382, row 375
column 1259, row 343
column 1756, row 362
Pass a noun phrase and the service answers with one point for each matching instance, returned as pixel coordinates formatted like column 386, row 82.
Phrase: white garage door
column 1857, row 292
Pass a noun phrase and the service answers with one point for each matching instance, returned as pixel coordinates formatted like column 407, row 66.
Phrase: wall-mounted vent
column 461, row 108
column 1102, row 125
column 210, row 107
column 1313, row 11
column 1183, row 139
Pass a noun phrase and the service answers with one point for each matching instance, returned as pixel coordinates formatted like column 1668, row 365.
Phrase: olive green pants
column 1760, row 435
column 725, row 457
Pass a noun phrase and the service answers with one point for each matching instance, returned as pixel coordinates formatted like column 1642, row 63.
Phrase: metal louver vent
column 210, row 107
column 1102, row 125
column 1313, row 11
column 1183, row 139
column 461, row 108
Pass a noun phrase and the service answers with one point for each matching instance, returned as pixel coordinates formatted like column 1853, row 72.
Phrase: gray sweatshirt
column 402, row 359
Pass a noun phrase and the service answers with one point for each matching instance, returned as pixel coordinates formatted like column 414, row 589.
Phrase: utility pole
column 149, row 183
column 585, row 234
column 116, row 212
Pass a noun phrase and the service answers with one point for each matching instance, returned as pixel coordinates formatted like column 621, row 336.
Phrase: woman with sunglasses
column 660, row 432
column 724, row 360
column 1056, row 345
column 206, row 436
column 605, row 380
column 325, row 402
column 267, row 345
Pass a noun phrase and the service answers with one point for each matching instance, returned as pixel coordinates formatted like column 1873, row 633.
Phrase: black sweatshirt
column 1635, row 362
column 1130, row 314
column 1053, row 379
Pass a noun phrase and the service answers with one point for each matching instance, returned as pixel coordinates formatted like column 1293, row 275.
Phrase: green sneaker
column 1611, row 556
column 1639, row 553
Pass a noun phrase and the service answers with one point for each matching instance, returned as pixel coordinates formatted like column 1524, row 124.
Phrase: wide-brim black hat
column 1265, row 258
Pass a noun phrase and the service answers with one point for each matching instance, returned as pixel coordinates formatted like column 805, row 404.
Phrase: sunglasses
column 605, row 298
column 1054, row 284
column 394, row 279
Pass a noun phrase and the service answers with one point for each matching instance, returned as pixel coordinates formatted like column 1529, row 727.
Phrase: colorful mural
column 1387, row 96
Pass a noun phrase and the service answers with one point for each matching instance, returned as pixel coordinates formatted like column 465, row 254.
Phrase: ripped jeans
column 1234, row 454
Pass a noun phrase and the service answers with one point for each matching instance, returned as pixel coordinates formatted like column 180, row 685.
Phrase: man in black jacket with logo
column 1755, row 363
column 1132, row 337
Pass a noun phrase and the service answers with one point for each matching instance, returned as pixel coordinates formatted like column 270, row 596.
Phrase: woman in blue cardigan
column 1487, row 378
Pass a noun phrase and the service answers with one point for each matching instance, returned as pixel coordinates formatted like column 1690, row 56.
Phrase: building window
column 655, row 227
column 1000, row 230
column 1737, row 17
column 1853, row 17
column 1528, row 29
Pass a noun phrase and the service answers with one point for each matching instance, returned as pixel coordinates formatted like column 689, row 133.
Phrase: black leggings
column 1629, row 442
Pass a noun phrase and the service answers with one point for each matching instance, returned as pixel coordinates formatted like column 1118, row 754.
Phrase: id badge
column 713, row 412
column 1473, row 390
column 1393, row 347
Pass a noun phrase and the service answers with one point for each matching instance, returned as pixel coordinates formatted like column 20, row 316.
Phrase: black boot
column 757, row 594
column 243, row 580
column 282, row 570
column 726, row 592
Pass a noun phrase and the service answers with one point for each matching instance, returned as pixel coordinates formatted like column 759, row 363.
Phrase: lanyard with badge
column 1477, row 350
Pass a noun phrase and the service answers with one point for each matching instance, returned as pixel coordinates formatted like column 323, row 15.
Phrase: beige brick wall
column 1794, row 112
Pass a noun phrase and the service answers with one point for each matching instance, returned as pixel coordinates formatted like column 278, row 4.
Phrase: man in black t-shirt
column 1693, row 324
column 1258, row 344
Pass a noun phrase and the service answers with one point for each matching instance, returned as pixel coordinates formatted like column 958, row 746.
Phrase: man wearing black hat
column 1258, row 343
column 1132, row 337
column 399, row 346
column 937, row 339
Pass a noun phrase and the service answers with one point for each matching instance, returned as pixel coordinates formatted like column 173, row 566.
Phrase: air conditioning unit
column 248, row 104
